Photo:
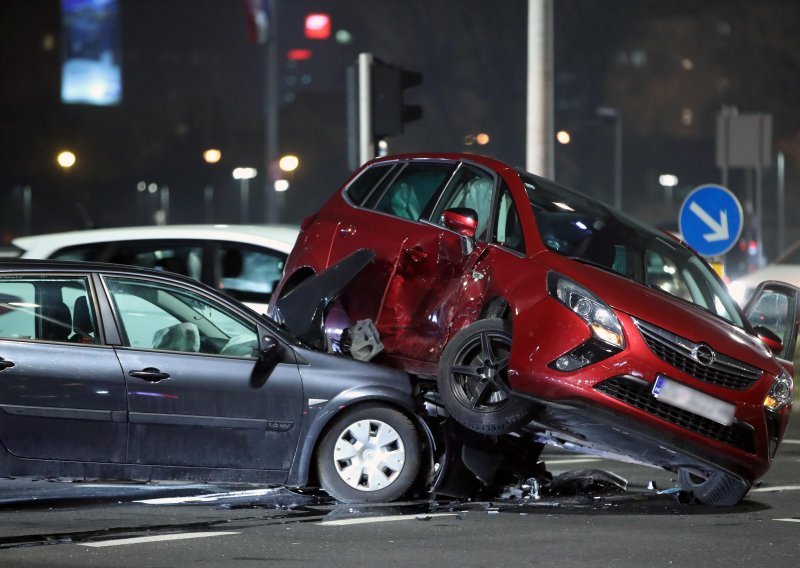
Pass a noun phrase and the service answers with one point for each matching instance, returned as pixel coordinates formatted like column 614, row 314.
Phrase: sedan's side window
column 47, row 309
column 413, row 190
column 249, row 275
column 178, row 258
column 163, row 317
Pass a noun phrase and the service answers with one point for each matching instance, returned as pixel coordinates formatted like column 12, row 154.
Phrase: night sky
column 191, row 80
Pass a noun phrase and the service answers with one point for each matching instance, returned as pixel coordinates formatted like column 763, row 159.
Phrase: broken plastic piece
column 365, row 342
column 586, row 482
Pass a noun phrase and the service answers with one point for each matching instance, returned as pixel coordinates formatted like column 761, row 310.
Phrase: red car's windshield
column 586, row 230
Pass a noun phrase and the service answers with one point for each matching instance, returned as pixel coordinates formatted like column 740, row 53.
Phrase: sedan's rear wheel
column 473, row 378
column 715, row 488
column 370, row 454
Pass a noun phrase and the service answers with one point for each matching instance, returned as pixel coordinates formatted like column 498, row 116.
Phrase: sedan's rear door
column 62, row 394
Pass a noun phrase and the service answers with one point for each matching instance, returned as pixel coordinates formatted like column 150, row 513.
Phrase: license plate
column 694, row 401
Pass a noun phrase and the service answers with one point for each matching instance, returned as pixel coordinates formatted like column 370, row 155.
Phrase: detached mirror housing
column 462, row 220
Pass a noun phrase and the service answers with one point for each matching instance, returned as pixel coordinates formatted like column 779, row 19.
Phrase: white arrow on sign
column 719, row 231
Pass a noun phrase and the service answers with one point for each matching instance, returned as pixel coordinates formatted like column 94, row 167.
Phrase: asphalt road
column 62, row 523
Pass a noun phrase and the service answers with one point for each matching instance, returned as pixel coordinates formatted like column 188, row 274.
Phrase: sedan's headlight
column 597, row 314
column 780, row 394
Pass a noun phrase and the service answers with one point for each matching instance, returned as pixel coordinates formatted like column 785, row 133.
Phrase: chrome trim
column 742, row 374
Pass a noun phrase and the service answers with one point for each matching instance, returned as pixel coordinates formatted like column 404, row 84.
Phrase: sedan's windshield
column 576, row 226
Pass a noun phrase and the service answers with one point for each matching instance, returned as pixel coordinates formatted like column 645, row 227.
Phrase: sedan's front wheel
column 370, row 454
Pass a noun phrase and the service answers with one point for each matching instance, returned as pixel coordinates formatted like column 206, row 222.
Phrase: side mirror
column 769, row 338
column 462, row 220
column 270, row 353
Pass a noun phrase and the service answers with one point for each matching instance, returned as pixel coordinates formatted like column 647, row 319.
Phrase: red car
column 534, row 306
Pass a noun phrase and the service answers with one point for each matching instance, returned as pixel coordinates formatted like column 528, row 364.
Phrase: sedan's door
column 196, row 395
column 62, row 394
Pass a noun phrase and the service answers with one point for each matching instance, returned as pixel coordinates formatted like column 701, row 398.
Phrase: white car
column 244, row 261
column 785, row 268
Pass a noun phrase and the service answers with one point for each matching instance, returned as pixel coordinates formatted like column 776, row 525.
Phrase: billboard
column 90, row 52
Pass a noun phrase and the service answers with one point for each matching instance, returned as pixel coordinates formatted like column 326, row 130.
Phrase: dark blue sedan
column 115, row 372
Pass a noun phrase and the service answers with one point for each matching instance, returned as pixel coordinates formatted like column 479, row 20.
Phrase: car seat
column 82, row 324
column 56, row 321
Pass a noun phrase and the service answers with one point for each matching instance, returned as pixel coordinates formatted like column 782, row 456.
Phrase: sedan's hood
column 302, row 310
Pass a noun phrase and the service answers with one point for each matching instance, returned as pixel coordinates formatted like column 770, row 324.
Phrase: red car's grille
column 739, row 434
column 682, row 354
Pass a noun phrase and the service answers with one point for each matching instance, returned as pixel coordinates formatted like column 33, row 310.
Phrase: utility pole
column 539, row 157
column 271, row 114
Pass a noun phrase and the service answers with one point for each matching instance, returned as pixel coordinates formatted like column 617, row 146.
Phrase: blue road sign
column 710, row 220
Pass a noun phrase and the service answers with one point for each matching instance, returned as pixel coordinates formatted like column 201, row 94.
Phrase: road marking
column 787, row 441
column 205, row 498
column 566, row 461
column 776, row 488
column 159, row 538
column 788, row 520
column 386, row 519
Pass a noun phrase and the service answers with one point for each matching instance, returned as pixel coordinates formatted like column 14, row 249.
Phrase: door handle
column 149, row 374
column 5, row 364
column 347, row 230
column 416, row 254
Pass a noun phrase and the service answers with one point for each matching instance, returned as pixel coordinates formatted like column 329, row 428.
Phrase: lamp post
column 615, row 115
column 668, row 182
column 211, row 156
column 244, row 175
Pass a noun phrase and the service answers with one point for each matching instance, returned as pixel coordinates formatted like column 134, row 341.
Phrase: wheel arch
column 302, row 470
column 298, row 276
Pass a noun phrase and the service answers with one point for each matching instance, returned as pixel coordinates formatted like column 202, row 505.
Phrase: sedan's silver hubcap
column 369, row 455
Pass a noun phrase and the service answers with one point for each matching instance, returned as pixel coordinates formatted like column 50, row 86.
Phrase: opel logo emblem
column 704, row 355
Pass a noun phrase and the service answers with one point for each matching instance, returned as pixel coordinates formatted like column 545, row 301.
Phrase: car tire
column 473, row 378
column 715, row 488
column 369, row 454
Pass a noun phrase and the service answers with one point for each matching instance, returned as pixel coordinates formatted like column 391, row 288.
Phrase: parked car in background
column 115, row 372
column 244, row 261
column 785, row 268
column 532, row 306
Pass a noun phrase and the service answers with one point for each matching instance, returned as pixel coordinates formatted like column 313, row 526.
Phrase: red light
column 318, row 26
column 298, row 54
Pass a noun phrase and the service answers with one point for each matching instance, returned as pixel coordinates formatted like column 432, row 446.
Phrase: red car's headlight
column 597, row 314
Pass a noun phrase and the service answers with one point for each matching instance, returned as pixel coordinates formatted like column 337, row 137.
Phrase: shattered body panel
column 601, row 311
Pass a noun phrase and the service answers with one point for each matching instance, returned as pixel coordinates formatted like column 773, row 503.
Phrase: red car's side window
column 507, row 226
column 414, row 188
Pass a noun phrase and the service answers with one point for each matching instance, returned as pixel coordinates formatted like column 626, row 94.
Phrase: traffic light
column 376, row 104
column 389, row 109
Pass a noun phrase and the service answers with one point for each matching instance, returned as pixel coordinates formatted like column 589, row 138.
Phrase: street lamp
column 615, row 115
column 288, row 163
column 668, row 182
column 244, row 175
column 66, row 159
column 212, row 155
